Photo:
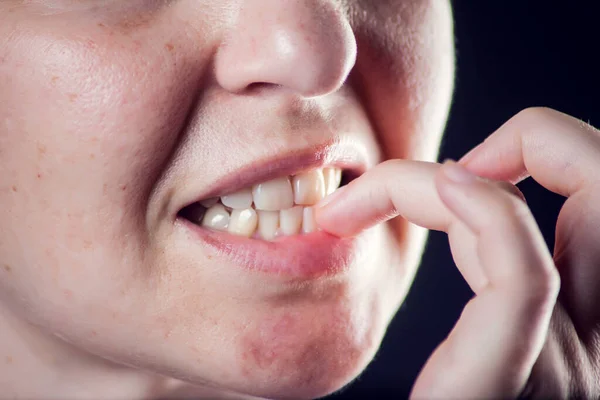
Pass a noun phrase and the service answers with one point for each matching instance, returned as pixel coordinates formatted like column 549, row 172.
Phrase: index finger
column 372, row 199
column 560, row 152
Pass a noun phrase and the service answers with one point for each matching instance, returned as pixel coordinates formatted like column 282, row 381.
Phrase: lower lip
column 299, row 257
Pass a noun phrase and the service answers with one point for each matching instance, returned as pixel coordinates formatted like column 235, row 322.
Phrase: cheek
column 87, row 123
column 83, row 119
column 406, row 73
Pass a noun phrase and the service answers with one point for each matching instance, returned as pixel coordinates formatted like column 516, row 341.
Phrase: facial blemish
column 130, row 23
column 90, row 44
column 169, row 46
column 15, row 189
column 262, row 349
column 8, row 360
column 72, row 97
column 7, row 268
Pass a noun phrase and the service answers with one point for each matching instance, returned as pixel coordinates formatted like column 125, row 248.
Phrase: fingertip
column 328, row 223
column 328, row 211
column 332, row 198
column 322, row 217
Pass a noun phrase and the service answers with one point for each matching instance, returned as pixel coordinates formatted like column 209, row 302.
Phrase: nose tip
column 307, row 47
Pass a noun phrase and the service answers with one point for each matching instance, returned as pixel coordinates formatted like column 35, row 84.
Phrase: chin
column 306, row 372
column 309, row 353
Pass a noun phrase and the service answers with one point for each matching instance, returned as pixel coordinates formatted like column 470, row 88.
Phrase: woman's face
column 116, row 115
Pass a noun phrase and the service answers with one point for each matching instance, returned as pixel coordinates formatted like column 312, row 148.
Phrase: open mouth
column 280, row 207
column 260, row 216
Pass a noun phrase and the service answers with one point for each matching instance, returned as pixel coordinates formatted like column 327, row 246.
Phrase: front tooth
column 243, row 222
column 308, row 220
column 333, row 178
column 239, row 200
column 290, row 220
column 268, row 222
column 273, row 195
column 216, row 217
column 309, row 187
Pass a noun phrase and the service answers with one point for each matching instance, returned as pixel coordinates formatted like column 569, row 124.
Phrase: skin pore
column 112, row 113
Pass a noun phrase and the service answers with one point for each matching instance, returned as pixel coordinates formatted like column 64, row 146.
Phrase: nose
column 305, row 46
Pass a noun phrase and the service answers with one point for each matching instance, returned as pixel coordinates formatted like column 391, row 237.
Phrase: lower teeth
column 266, row 225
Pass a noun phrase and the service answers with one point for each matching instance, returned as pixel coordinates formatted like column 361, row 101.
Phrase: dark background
column 511, row 55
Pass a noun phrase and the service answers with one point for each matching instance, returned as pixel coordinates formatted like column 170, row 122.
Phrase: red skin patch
column 300, row 351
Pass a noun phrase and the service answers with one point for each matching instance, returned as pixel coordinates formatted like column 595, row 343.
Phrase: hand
column 501, row 346
column 497, row 248
column 563, row 155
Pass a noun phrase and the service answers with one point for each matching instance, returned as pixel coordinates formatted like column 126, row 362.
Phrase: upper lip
column 348, row 155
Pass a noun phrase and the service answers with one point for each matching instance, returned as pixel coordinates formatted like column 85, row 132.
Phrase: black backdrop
column 511, row 54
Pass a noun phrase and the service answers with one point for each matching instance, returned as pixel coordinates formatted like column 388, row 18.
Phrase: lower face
column 112, row 122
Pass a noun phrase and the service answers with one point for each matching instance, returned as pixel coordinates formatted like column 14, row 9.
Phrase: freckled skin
column 108, row 113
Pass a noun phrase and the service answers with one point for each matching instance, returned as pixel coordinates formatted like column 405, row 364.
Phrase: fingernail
column 457, row 173
column 332, row 197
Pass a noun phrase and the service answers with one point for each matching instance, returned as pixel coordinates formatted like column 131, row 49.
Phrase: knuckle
column 548, row 283
column 529, row 120
column 535, row 114
column 541, row 288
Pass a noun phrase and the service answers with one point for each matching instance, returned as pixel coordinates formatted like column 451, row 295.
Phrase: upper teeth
column 283, row 205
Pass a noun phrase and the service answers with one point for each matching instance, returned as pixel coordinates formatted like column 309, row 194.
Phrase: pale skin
column 527, row 336
column 112, row 111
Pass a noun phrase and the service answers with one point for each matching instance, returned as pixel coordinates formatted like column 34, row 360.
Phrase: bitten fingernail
column 457, row 173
